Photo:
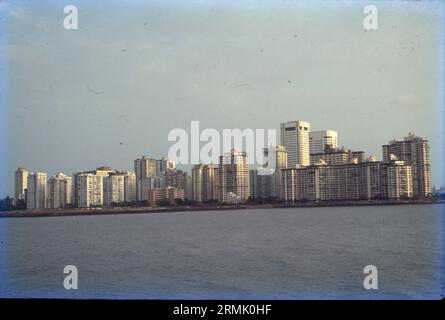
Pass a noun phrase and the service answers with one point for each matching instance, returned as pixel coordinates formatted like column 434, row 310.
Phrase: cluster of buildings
column 309, row 166
column 104, row 187
column 325, row 172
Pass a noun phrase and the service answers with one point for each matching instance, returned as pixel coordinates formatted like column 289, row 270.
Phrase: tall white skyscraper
column 59, row 191
column 319, row 140
column 89, row 190
column 36, row 192
column 88, row 187
column 114, row 189
column 21, row 183
column 295, row 139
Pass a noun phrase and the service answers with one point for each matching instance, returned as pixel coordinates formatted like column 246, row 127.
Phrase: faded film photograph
column 195, row 150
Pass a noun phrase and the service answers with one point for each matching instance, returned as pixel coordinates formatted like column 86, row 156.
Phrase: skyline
column 188, row 168
column 115, row 87
column 335, row 174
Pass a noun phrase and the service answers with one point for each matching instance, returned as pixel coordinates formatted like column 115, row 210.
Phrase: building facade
column 188, row 188
column 59, row 191
column 164, row 196
column 415, row 151
column 337, row 156
column 396, row 180
column 205, row 183
column 294, row 136
column 233, row 176
column 264, row 183
column 175, row 178
column 114, row 189
column 21, row 183
column 89, row 190
column 130, row 187
column 88, row 187
column 36, row 192
column 279, row 157
column 163, row 165
column 355, row 181
column 145, row 167
column 320, row 140
column 148, row 183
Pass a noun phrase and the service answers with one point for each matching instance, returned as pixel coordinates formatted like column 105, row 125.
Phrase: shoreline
column 147, row 210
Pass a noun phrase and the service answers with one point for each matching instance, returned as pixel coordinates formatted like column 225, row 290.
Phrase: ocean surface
column 291, row 253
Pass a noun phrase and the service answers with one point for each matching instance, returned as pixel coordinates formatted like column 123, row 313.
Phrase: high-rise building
column 88, row 187
column 114, row 188
column 205, row 182
column 233, row 174
column 265, row 183
column 59, row 191
column 188, row 192
column 175, row 178
column 130, row 187
column 163, row 165
column 21, row 183
column 415, row 151
column 280, row 154
column 295, row 139
column 145, row 167
column 197, row 182
column 354, row 181
column 351, row 181
column 89, row 190
column 302, row 183
column 36, row 192
column 263, row 186
column 396, row 180
column 148, row 183
column 320, row 140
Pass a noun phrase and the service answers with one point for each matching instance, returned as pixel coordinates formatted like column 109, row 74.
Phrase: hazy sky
column 111, row 91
